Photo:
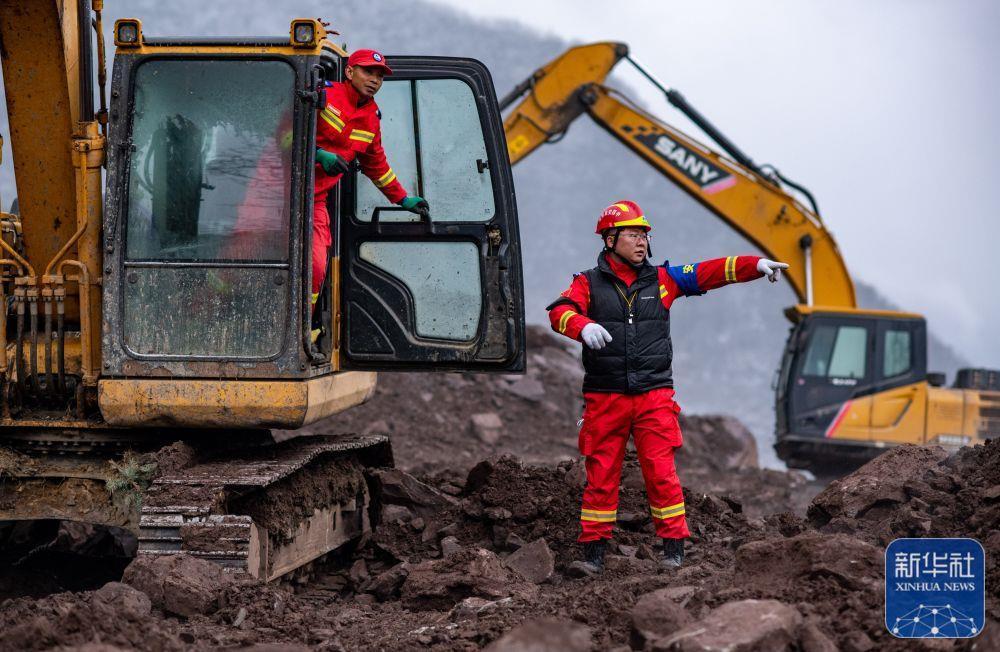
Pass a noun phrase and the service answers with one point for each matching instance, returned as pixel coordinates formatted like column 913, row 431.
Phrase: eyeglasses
column 635, row 236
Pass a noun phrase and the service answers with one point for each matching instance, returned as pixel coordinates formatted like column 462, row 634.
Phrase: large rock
column 472, row 572
column 125, row 600
column 528, row 388
column 385, row 586
column 658, row 614
column 546, row 635
column 881, row 483
column 717, row 443
column 179, row 584
column 776, row 564
column 400, row 488
column 744, row 626
column 534, row 561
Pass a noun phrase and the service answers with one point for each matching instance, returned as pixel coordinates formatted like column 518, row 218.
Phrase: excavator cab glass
column 207, row 221
column 833, row 366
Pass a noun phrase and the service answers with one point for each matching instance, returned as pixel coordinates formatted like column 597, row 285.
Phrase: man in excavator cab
column 620, row 310
column 348, row 128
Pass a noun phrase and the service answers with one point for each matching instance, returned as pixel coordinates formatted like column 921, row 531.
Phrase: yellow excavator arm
column 748, row 199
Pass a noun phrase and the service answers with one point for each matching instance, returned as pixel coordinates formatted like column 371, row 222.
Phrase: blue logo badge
column 377, row 56
column 934, row 588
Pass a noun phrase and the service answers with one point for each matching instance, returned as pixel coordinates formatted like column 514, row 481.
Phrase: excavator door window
column 442, row 289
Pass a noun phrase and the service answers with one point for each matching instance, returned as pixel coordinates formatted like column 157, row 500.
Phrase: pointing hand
column 771, row 269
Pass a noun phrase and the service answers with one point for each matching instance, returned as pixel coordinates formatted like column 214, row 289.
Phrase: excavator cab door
column 442, row 290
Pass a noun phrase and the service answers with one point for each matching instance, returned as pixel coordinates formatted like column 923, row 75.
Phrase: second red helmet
column 621, row 214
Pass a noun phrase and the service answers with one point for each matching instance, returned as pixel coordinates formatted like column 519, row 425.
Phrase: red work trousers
column 608, row 420
column 321, row 241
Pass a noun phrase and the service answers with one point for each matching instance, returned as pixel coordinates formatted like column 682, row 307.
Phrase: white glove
column 771, row 269
column 595, row 336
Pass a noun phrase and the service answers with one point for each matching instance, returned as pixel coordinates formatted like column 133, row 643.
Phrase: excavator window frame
column 292, row 359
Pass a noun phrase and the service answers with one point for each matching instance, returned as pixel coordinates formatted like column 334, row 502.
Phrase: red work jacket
column 351, row 131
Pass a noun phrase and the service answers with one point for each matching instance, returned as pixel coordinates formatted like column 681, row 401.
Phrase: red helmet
column 620, row 214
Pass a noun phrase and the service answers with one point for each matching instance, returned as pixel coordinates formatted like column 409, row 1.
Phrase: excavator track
column 268, row 510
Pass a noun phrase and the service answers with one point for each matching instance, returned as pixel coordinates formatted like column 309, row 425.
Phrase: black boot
column 672, row 553
column 593, row 560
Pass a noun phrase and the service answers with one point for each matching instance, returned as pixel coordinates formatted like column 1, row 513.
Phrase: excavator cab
column 853, row 381
column 208, row 314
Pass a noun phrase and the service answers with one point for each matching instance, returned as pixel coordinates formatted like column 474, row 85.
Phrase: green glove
column 332, row 164
column 415, row 204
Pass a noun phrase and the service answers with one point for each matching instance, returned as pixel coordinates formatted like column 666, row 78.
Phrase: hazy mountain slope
column 728, row 343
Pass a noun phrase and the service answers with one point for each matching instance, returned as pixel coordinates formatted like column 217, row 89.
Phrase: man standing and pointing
column 620, row 310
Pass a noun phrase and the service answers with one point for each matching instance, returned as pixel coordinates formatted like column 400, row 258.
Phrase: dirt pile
column 487, row 565
column 472, row 549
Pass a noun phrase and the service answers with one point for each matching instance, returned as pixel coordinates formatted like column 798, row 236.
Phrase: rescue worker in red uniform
column 620, row 310
column 347, row 129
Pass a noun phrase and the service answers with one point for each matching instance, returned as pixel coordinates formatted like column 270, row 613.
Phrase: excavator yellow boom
column 753, row 203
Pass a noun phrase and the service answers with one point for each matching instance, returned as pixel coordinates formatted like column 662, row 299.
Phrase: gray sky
column 885, row 109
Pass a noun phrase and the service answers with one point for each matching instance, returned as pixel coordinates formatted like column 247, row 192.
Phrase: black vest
column 639, row 356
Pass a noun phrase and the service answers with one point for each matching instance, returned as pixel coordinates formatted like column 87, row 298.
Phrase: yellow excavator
column 852, row 382
column 156, row 285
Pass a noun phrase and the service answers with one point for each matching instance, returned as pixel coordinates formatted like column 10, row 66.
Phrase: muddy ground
column 478, row 531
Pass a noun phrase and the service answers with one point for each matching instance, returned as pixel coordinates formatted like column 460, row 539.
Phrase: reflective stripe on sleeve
column 362, row 135
column 385, row 179
column 731, row 269
column 565, row 320
column 332, row 119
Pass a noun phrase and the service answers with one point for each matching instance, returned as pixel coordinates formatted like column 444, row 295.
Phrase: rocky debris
column 132, row 603
column 742, row 626
column 880, row 485
column 773, row 564
column 385, row 586
column 812, row 639
column 475, row 607
column 399, row 488
column 178, row 584
column 718, row 443
column 487, row 426
column 114, row 617
column 470, row 572
column 657, row 615
column 534, row 561
column 174, row 457
column 526, row 386
column 545, row 635
column 458, row 528
column 449, row 546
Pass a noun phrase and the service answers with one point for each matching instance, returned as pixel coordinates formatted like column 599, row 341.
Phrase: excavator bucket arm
column 752, row 202
column 552, row 101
